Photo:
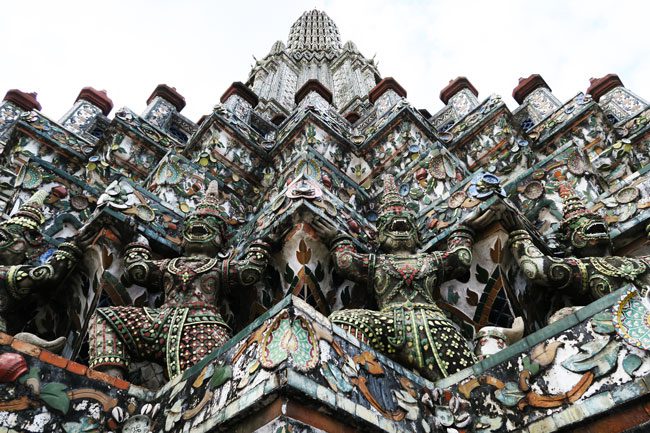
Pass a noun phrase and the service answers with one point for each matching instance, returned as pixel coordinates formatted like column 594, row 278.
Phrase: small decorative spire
column 26, row 101
column 526, row 86
column 99, row 98
column 601, row 86
column 313, row 85
column 243, row 91
column 169, row 94
column 455, row 86
column 388, row 83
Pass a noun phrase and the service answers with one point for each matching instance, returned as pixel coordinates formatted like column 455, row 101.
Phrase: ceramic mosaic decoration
column 318, row 255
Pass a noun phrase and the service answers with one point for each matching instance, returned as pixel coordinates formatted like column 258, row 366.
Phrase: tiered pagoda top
column 314, row 31
column 314, row 52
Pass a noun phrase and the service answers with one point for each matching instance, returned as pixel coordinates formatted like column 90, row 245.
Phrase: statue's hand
column 480, row 219
column 275, row 235
column 86, row 235
column 325, row 230
column 127, row 231
column 511, row 221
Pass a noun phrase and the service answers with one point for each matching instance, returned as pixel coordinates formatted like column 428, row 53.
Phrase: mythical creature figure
column 20, row 245
column 592, row 272
column 188, row 325
column 409, row 326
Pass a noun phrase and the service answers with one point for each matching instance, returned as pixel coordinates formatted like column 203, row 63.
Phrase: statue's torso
column 406, row 278
column 190, row 281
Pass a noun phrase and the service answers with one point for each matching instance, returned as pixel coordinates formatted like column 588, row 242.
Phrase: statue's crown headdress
column 210, row 206
column 210, row 203
column 578, row 220
column 574, row 205
column 29, row 215
column 391, row 202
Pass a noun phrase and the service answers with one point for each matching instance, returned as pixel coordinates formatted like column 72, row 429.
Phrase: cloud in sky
column 128, row 47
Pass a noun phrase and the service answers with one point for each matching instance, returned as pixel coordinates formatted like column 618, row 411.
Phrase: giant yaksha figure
column 409, row 326
column 188, row 325
column 21, row 242
column 591, row 272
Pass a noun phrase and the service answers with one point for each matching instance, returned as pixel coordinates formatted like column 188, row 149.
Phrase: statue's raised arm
column 348, row 263
column 590, row 271
column 455, row 261
column 20, row 244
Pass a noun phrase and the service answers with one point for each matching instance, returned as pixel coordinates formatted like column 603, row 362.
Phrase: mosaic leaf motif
column 530, row 365
column 496, row 251
column 173, row 414
column 54, row 395
column 291, row 339
column 544, row 353
column 598, row 355
column 206, row 373
column 602, row 323
column 482, row 274
column 288, row 274
column 368, row 361
column 319, row 273
column 452, row 296
column 304, row 253
column 631, row 363
column 408, row 403
column 509, row 395
column 335, row 377
column 471, row 297
column 220, row 376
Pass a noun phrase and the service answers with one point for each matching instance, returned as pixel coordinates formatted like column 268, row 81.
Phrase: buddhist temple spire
column 314, row 31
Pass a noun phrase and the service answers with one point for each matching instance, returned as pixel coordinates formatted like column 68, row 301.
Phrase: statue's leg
column 107, row 351
column 443, row 349
column 199, row 340
column 368, row 326
column 419, row 338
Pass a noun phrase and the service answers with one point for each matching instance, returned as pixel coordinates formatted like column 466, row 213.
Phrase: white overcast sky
column 128, row 47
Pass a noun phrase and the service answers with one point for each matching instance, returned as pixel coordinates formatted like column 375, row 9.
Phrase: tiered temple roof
column 308, row 136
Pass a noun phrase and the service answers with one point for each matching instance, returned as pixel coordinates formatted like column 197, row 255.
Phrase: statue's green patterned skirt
column 418, row 336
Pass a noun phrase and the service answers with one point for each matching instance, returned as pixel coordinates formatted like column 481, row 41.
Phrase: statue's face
column 589, row 236
column 201, row 235
column 17, row 244
column 397, row 232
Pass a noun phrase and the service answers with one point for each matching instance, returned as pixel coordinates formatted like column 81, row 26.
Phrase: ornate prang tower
column 317, row 255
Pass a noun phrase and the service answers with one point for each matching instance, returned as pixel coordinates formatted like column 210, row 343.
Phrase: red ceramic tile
column 26, row 348
column 76, row 368
column 5, row 339
column 98, row 375
column 53, row 359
